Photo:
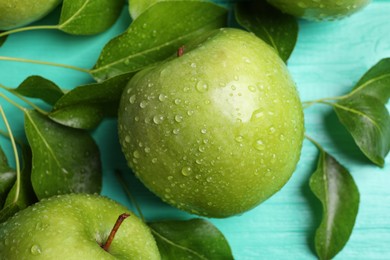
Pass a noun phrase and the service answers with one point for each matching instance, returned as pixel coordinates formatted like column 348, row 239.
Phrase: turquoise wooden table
column 329, row 59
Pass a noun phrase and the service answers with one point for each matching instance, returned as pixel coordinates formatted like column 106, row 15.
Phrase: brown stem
column 180, row 51
column 118, row 223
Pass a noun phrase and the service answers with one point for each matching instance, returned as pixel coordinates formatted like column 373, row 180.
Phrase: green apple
column 320, row 9
column 216, row 130
column 17, row 13
column 75, row 226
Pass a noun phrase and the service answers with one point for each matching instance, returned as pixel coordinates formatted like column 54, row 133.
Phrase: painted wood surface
column 329, row 59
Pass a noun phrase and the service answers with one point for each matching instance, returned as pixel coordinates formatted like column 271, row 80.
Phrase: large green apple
column 216, row 130
column 320, row 9
column 74, row 227
column 16, row 13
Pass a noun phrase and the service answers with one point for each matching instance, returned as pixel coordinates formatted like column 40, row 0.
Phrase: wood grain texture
column 329, row 59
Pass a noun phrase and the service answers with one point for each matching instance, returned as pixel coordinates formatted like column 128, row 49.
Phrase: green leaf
column 85, row 106
column 7, row 177
column 271, row 25
column 376, row 82
column 368, row 121
column 157, row 34
column 87, row 17
column 21, row 195
column 191, row 239
column 136, row 7
column 65, row 160
column 39, row 87
column 79, row 116
column 333, row 185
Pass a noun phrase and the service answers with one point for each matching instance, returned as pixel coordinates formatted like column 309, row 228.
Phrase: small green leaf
column 21, row 195
column 156, row 34
column 376, row 82
column 87, row 17
column 276, row 28
column 191, row 239
column 39, row 87
column 65, row 160
column 79, row 116
column 7, row 177
column 333, row 185
column 85, row 106
column 136, row 7
column 368, row 121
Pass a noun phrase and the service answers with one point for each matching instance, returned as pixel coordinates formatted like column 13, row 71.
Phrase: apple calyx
column 180, row 51
column 118, row 223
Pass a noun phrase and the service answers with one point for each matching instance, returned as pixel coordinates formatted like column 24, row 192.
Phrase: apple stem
column 118, row 223
column 180, row 51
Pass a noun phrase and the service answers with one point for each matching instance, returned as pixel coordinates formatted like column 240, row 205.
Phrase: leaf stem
column 325, row 101
column 17, row 163
column 28, row 102
column 65, row 66
column 29, row 28
column 319, row 147
column 129, row 195
column 12, row 102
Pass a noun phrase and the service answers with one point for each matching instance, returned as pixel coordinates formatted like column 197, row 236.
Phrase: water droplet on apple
column 259, row 145
column 162, row 97
column 36, row 250
column 178, row 118
column 158, row 119
column 201, row 86
column 143, row 104
column 239, row 139
column 252, row 88
column 186, row 171
column 132, row 99
column 136, row 154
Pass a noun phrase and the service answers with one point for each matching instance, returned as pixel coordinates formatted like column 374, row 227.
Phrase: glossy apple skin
column 318, row 10
column 217, row 130
column 72, row 227
column 17, row 13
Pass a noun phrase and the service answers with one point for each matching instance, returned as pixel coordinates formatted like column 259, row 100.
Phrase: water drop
column 158, row 119
column 132, row 99
column 186, row 171
column 252, row 88
column 201, row 86
column 143, row 104
column 36, row 250
column 162, row 97
column 136, row 154
column 178, row 118
column 259, row 145
column 239, row 139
